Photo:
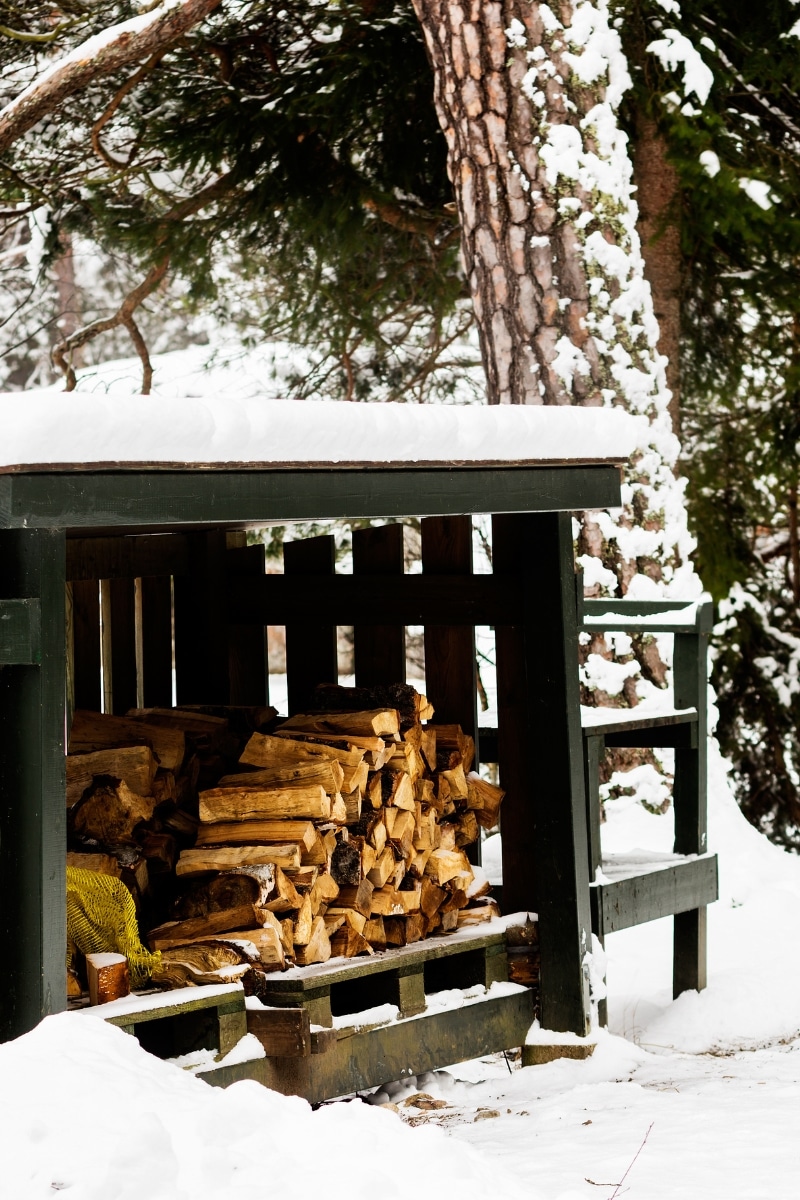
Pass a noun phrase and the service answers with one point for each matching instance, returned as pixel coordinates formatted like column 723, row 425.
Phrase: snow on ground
column 693, row 1098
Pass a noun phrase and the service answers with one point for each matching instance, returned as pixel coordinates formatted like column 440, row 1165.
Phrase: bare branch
column 99, row 56
column 119, row 96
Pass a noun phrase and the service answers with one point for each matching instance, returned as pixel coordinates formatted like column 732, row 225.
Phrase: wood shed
column 123, row 527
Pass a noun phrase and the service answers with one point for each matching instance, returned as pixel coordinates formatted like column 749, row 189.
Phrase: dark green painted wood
column 593, row 757
column 450, row 661
column 680, row 888
column 122, row 616
column 674, row 735
column 366, row 1060
column 632, row 615
column 634, row 723
column 554, row 794
column 32, row 783
column 311, row 650
column 350, row 599
column 86, row 644
column 690, row 950
column 157, row 641
column 127, row 557
column 20, row 626
column 201, row 624
column 379, row 651
column 247, row 644
column 136, row 499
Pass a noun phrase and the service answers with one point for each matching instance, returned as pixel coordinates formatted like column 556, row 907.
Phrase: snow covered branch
column 106, row 52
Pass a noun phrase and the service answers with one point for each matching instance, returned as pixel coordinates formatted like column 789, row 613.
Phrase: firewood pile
column 252, row 844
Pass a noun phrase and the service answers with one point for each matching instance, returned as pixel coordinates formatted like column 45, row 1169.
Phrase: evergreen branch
column 96, row 58
column 19, row 35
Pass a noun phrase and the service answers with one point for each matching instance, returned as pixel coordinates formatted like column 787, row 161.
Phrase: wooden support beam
column 544, row 816
column 20, row 632
column 161, row 498
column 677, row 889
column 201, row 624
column 376, row 600
column 127, row 557
column 32, row 786
column 311, row 655
column 379, row 650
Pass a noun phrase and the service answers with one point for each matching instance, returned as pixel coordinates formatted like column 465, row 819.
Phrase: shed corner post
column 32, row 787
column 557, row 788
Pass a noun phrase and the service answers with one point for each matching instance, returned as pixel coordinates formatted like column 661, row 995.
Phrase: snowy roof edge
column 309, row 465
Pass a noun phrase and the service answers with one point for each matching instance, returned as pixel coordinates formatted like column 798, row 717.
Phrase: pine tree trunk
column 658, row 197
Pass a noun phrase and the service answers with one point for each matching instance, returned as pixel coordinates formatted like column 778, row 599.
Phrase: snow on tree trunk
column 526, row 95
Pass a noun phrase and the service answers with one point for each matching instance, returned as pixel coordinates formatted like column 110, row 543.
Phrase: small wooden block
column 537, row 1055
column 283, row 1032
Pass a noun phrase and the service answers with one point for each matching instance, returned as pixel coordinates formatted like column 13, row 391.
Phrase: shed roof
column 57, row 431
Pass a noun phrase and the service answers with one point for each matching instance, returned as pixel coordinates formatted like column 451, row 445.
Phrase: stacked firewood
column 341, row 831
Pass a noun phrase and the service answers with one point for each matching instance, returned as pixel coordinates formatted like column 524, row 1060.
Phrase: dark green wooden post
column 201, row 623
column 690, row 792
column 32, row 784
column 544, row 825
column 311, row 654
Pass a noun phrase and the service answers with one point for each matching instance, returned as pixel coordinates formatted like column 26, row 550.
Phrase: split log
column 198, row 862
column 402, row 836
column 255, row 885
column 484, row 799
column 318, row 948
column 99, row 731
column 266, row 750
column 431, row 896
column 352, row 806
column 479, row 914
column 457, row 780
column 203, row 962
column 226, row 833
column 402, row 931
column 383, row 869
column 304, row 921
column 265, row 941
column 358, row 898
column 108, row 977
column 452, row 740
column 324, row 891
column 177, row 933
column 253, row 803
column 161, row 851
column 351, row 918
column 409, row 703
column 467, row 830
column 319, row 772
column 375, row 933
column 387, row 902
column 134, row 765
column 106, row 864
column 444, row 865
column 348, row 942
column 375, row 722
column 109, row 812
column 448, row 921
column 346, row 864
column 397, row 791
column 163, row 788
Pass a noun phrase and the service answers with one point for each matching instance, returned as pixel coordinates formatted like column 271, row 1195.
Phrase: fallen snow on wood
column 51, row 427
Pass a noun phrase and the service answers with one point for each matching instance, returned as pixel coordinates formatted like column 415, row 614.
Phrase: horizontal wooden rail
column 127, row 557
column 677, row 888
column 647, row 616
column 376, row 600
column 20, row 632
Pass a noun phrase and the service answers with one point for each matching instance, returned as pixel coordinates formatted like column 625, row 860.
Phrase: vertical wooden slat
column 32, row 785
column 450, row 672
column 379, row 650
column 247, row 644
column 690, row 791
column 451, row 682
column 156, row 592
column 86, row 643
column 201, row 623
column 122, row 612
column 311, row 656
column 544, row 813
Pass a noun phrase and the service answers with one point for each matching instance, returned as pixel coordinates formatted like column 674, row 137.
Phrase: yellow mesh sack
column 101, row 918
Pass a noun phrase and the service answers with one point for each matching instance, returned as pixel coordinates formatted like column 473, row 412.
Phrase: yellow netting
column 101, row 918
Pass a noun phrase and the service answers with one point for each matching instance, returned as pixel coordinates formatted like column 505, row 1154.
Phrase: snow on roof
column 50, row 429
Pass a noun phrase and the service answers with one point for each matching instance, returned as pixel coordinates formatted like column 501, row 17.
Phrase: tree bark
column 658, row 196
column 498, row 99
